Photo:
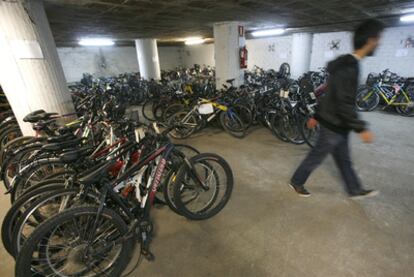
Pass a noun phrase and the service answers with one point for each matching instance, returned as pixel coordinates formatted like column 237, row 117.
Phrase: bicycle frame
column 378, row 89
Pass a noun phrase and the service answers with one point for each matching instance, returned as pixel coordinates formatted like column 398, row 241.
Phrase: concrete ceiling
column 125, row 20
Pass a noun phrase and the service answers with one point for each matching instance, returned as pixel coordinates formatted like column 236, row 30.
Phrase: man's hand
column 312, row 122
column 366, row 136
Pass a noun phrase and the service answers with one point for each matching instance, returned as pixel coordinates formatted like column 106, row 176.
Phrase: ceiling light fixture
column 96, row 42
column 407, row 18
column 409, row 10
column 269, row 32
column 194, row 41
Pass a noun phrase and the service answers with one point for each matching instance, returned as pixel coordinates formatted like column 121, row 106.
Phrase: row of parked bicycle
column 388, row 90
column 191, row 101
column 269, row 98
column 82, row 192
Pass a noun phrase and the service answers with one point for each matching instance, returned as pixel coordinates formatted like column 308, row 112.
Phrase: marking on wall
column 335, row 44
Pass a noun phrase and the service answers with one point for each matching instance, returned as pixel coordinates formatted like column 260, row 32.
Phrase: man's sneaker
column 300, row 190
column 363, row 193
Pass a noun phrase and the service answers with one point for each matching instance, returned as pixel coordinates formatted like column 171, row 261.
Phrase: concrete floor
column 267, row 230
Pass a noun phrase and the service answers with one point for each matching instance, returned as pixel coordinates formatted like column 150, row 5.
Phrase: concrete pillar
column 227, row 43
column 301, row 53
column 149, row 63
column 30, row 71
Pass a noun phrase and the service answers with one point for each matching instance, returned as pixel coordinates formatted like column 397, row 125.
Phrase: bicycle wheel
column 16, row 161
column 367, row 99
column 13, row 145
column 309, row 135
column 11, row 133
column 245, row 114
column 17, row 209
column 276, row 127
column 170, row 110
column 291, row 129
column 196, row 201
column 69, row 245
column 147, row 109
column 176, row 162
column 408, row 108
column 32, row 176
column 44, row 207
column 186, row 124
column 232, row 123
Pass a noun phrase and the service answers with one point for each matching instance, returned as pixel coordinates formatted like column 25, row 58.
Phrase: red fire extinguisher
column 243, row 57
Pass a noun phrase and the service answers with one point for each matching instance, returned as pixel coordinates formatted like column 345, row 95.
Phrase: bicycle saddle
column 33, row 118
column 75, row 155
column 62, row 138
column 93, row 177
column 53, row 147
column 230, row 81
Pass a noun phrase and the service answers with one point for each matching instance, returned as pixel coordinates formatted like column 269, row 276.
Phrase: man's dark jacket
column 337, row 108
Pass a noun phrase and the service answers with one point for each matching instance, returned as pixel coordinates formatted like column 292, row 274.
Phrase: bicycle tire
column 291, row 130
column 362, row 103
column 18, row 159
column 23, row 266
column 232, row 124
column 18, row 238
column 16, row 210
column 189, row 128
column 21, row 181
column 309, row 135
column 182, row 173
column 147, row 109
column 12, row 145
column 275, row 127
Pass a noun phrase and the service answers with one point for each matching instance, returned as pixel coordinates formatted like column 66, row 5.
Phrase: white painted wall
column 197, row 54
column 392, row 54
column 321, row 52
column 170, row 57
column 109, row 61
column 269, row 53
column 99, row 61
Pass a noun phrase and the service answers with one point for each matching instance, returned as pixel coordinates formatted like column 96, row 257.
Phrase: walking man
column 338, row 117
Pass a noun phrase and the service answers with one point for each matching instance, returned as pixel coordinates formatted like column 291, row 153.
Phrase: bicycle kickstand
column 145, row 242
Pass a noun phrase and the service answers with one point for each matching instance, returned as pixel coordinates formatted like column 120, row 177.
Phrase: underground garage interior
column 207, row 138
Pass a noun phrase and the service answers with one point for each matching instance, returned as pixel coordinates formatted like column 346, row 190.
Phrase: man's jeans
column 337, row 144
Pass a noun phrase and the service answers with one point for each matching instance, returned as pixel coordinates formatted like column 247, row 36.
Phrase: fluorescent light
column 409, row 10
column 407, row 18
column 269, row 32
column 96, row 42
column 193, row 41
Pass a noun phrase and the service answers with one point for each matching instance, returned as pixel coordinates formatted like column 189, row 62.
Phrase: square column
column 227, row 44
column 31, row 74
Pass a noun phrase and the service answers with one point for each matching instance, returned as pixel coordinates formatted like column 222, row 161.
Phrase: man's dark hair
column 370, row 28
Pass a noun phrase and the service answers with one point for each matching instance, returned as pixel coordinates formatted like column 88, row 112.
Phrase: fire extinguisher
column 243, row 57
